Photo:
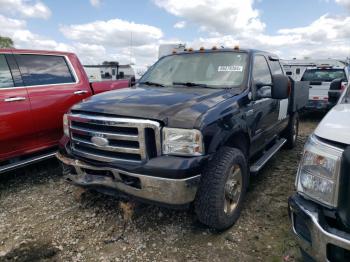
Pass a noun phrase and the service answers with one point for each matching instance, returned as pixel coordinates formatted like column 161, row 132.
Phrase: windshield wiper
column 149, row 83
column 190, row 84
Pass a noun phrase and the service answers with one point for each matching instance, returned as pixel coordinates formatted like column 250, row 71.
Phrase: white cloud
column 25, row 8
column 180, row 25
column 113, row 33
column 95, row 3
column 324, row 38
column 216, row 16
column 23, row 38
column 89, row 53
column 345, row 3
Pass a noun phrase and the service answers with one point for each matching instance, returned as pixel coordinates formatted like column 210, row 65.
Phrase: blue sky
column 100, row 29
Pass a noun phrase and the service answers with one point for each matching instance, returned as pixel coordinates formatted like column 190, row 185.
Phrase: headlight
column 65, row 125
column 182, row 142
column 318, row 172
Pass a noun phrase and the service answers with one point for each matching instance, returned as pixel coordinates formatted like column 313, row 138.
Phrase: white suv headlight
column 65, row 125
column 182, row 142
column 318, row 173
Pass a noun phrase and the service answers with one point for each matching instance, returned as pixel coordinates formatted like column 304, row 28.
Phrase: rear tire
column 222, row 189
column 292, row 131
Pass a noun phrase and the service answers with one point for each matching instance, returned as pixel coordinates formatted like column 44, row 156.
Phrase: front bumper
column 156, row 189
column 315, row 237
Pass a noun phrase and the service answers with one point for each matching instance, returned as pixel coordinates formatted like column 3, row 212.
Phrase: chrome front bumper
column 320, row 237
column 162, row 190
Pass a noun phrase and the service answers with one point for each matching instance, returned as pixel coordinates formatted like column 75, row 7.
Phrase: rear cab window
column 44, row 69
column 323, row 75
column 6, row 79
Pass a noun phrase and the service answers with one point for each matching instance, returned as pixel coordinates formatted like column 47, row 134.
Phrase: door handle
column 14, row 99
column 80, row 92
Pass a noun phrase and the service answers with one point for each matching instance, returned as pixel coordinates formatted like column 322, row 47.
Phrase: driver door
column 264, row 109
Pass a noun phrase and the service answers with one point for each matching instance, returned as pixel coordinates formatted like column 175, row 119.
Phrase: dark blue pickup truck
column 192, row 130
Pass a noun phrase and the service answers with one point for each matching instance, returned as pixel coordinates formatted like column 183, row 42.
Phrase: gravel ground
column 45, row 219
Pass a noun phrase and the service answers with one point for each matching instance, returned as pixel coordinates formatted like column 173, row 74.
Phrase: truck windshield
column 323, row 75
column 213, row 70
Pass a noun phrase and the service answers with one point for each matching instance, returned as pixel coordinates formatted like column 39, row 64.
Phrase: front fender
column 226, row 128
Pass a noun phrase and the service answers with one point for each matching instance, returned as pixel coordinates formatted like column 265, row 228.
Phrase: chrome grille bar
column 125, row 137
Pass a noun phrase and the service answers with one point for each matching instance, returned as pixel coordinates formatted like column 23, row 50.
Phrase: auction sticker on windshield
column 234, row 68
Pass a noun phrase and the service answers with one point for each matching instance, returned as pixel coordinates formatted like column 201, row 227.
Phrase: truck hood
column 176, row 107
column 335, row 126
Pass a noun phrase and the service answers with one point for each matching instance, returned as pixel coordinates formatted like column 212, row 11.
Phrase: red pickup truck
column 36, row 89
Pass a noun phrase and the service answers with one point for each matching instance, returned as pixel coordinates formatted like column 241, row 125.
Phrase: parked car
column 320, row 210
column 192, row 131
column 320, row 78
column 36, row 89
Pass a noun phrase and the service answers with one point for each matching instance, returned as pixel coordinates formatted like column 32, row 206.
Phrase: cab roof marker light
column 190, row 49
column 236, row 48
column 201, row 48
column 174, row 51
column 214, row 48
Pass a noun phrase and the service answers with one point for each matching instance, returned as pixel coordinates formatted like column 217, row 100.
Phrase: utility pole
column 130, row 48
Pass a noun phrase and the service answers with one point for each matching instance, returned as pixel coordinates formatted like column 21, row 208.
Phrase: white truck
column 320, row 210
column 320, row 78
column 167, row 49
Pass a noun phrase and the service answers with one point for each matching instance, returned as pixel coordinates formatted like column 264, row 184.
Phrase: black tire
column 211, row 199
column 292, row 131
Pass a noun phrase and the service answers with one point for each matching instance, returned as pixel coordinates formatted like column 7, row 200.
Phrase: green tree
column 6, row 42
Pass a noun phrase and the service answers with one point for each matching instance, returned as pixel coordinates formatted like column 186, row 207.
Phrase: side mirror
column 333, row 97
column 335, row 91
column 336, row 84
column 280, row 87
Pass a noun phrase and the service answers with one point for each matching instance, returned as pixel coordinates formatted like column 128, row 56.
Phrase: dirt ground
column 42, row 218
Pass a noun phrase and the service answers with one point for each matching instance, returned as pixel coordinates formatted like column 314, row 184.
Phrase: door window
column 261, row 71
column 44, row 70
column 5, row 74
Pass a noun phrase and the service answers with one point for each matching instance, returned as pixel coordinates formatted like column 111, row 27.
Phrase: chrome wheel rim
column 233, row 189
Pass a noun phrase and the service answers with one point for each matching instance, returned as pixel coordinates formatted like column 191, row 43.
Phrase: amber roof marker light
column 236, row 48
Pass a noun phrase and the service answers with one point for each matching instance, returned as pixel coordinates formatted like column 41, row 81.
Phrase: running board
column 26, row 162
column 258, row 165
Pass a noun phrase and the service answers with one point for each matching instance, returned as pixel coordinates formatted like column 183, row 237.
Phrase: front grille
column 124, row 139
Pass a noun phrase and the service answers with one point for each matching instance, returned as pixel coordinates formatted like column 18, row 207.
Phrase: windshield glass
column 216, row 70
column 323, row 75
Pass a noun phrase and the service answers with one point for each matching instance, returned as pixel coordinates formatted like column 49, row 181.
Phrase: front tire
column 222, row 189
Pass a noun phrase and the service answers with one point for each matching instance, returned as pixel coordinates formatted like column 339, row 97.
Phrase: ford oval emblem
column 99, row 141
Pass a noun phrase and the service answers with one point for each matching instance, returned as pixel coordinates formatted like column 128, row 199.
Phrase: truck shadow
column 31, row 175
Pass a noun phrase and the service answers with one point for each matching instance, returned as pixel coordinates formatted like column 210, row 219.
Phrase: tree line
column 6, row 42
